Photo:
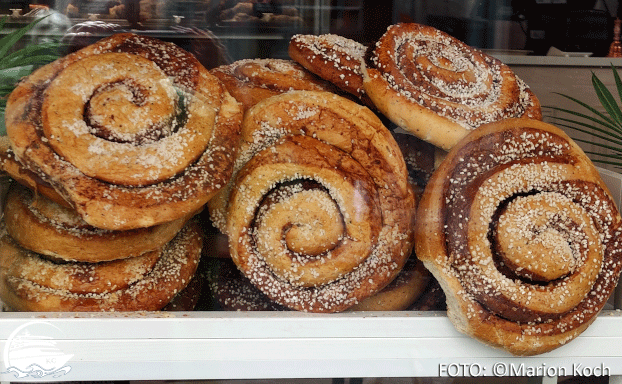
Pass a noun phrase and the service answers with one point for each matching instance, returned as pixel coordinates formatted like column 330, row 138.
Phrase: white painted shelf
column 241, row 345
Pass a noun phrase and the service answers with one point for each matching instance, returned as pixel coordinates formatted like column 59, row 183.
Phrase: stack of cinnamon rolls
column 321, row 180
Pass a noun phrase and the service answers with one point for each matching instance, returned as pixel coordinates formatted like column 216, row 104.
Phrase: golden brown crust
column 29, row 282
column 325, row 168
column 475, row 235
column 251, row 80
column 153, row 201
column 402, row 292
column 42, row 226
column 334, row 58
column 25, row 177
column 439, row 88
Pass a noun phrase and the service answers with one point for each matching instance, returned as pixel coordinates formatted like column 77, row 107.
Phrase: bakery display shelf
column 244, row 345
column 211, row 345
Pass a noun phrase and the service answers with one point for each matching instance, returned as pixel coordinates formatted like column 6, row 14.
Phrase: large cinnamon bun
column 131, row 131
column 320, row 213
column 439, row 88
column 522, row 235
column 32, row 282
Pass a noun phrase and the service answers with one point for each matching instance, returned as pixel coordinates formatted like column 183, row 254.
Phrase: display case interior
column 245, row 29
column 201, row 180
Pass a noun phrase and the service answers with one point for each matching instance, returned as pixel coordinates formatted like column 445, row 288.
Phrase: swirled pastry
column 131, row 131
column 320, row 213
column 252, row 80
column 232, row 291
column 31, row 282
column 334, row 58
column 402, row 292
column 522, row 235
column 188, row 298
column 439, row 88
column 47, row 228
column 16, row 170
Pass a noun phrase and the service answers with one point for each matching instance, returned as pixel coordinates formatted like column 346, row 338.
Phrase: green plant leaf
column 30, row 55
column 607, row 100
column 618, row 81
column 604, row 128
column 9, row 40
column 606, row 135
column 605, row 122
column 593, row 110
column 20, row 63
column 602, row 145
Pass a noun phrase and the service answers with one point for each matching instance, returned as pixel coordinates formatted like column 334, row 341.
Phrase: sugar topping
column 434, row 70
column 299, row 173
column 142, row 288
column 523, row 196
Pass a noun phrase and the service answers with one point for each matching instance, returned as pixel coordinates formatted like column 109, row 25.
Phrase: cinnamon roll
column 32, row 282
column 320, row 213
column 131, row 131
column 439, row 88
column 18, row 173
column 334, row 58
column 409, row 285
column 232, row 291
column 45, row 227
column 522, row 234
column 252, row 80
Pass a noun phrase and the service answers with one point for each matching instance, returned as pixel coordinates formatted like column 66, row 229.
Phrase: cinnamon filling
column 538, row 239
column 308, row 235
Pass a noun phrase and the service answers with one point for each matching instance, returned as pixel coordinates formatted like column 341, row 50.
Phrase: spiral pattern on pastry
column 320, row 213
column 522, row 234
column 31, row 282
column 334, row 58
column 131, row 131
column 251, row 80
column 439, row 88
column 47, row 228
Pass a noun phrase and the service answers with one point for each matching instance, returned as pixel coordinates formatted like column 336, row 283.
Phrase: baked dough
column 117, row 178
column 42, row 226
column 253, row 80
column 438, row 88
column 320, row 213
column 334, row 58
column 522, row 234
column 30, row 282
column 409, row 285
